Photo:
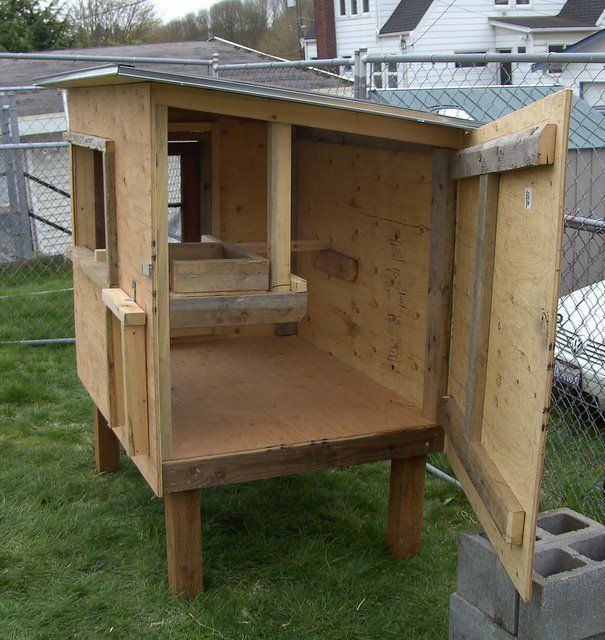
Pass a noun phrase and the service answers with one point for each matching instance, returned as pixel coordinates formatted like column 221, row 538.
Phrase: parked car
column 580, row 345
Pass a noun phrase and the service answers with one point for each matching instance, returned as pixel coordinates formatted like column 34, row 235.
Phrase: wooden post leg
column 406, row 500
column 107, row 446
column 184, row 542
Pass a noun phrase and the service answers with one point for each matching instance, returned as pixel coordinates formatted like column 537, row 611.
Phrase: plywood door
column 496, row 434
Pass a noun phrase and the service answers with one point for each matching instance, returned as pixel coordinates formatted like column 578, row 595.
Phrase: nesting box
column 331, row 282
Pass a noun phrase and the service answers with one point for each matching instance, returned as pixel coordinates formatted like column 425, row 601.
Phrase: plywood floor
column 245, row 394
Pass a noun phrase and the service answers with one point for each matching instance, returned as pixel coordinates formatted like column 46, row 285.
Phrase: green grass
column 28, row 314
column 82, row 555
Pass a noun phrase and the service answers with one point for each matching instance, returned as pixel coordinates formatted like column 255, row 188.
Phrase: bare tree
column 104, row 22
column 243, row 22
column 192, row 26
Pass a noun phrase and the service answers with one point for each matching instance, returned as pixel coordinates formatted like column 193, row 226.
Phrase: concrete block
column 568, row 593
column 467, row 622
column 560, row 525
column 482, row 581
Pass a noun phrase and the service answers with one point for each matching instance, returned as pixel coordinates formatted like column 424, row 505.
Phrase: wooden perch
column 336, row 264
column 526, row 148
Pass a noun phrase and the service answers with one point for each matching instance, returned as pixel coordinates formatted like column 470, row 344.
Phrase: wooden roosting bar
column 337, row 283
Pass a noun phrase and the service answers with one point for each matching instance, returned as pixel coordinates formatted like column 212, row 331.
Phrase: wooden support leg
column 184, row 542
column 406, row 500
column 107, row 446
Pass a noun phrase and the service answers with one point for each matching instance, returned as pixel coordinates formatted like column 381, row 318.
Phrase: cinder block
column 568, row 593
column 482, row 581
column 563, row 525
column 467, row 622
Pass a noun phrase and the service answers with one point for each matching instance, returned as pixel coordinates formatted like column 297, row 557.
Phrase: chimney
column 325, row 28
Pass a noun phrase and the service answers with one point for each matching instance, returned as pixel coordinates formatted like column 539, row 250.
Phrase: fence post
column 360, row 70
column 18, row 222
column 214, row 71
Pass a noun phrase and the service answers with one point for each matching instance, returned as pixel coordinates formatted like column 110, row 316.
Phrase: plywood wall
column 243, row 179
column 124, row 114
column 375, row 206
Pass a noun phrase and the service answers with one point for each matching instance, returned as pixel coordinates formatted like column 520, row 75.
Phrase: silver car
column 580, row 345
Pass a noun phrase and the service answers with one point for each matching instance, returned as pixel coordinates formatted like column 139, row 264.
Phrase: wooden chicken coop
column 345, row 282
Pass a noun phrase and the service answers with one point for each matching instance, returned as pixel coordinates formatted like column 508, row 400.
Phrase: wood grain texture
column 406, row 501
column 90, row 331
column 441, row 277
column 336, row 264
column 236, row 309
column 107, row 446
column 134, row 368
column 283, row 460
column 233, row 395
column 485, row 249
column 321, row 117
column 124, row 308
column 279, row 205
column 517, row 150
column 523, row 319
column 184, row 543
column 375, row 206
column 496, row 495
column 124, row 115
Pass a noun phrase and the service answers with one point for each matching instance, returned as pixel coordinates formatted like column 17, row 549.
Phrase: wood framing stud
column 279, row 204
column 184, row 543
column 86, row 141
column 406, row 501
column 107, row 446
column 485, row 248
column 441, row 276
column 526, row 148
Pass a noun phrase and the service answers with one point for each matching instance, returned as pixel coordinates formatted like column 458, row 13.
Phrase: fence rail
column 35, row 224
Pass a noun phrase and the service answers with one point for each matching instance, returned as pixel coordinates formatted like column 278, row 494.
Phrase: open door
column 508, row 232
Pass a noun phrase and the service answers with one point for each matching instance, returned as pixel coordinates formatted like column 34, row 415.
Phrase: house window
column 522, row 2
column 463, row 65
column 392, row 75
column 365, row 6
column 353, row 7
column 521, row 49
column 556, row 67
column 343, row 7
column 499, row 2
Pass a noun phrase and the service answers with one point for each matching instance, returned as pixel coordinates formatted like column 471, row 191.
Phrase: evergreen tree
column 31, row 25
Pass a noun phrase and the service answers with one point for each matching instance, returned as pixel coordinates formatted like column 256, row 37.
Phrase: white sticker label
column 528, row 197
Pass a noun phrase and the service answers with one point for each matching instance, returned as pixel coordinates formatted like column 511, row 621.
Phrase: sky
column 168, row 9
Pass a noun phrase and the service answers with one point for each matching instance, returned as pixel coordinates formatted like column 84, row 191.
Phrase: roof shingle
column 406, row 16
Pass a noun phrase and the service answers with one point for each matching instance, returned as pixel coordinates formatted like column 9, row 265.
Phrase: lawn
column 82, row 554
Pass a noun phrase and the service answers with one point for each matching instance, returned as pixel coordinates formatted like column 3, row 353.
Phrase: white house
column 453, row 26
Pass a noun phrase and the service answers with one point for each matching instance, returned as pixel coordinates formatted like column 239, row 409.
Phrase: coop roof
column 124, row 74
column 30, row 103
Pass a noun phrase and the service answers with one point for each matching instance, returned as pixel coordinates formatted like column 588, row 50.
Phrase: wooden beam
column 407, row 129
column 406, row 501
column 485, row 249
column 296, row 246
column 134, row 376
column 279, row 204
column 86, row 141
column 495, row 493
column 100, row 255
column 312, row 456
column 527, row 148
column 441, row 278
column 191, row 195
column 111, row 221
column 123, row 307
column 95, row 270
column 190, row 127
column 184, row 543
column 107, row 447
column 232, row 310
column 195, row 250
column 336, row 265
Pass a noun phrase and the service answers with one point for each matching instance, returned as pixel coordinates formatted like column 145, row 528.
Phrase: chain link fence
column 35, row 227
